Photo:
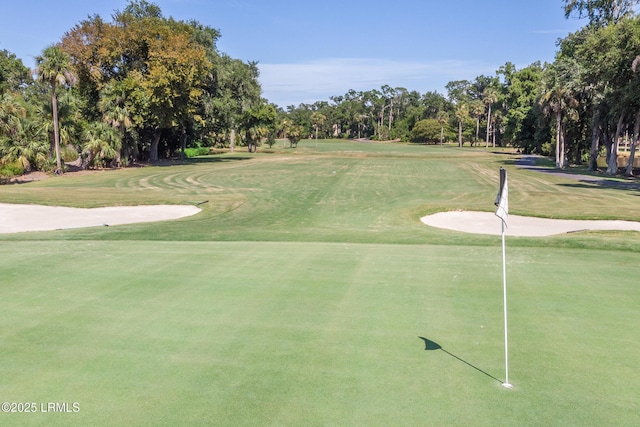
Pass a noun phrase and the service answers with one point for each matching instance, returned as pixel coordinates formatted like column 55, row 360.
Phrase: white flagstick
column 502, row 201
column 504, row 283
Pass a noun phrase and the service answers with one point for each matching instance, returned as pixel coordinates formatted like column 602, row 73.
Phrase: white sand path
column 16, row 218
column 489, row 223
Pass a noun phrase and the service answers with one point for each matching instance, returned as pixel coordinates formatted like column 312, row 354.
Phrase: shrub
column 69, row 153
column 196, row 151
column 10, row 169
column 426, row 130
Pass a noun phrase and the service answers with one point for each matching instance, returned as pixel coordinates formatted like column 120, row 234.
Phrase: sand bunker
column 20, row 218
column 489, row 223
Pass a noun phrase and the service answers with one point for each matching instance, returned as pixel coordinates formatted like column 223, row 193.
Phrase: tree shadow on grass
column 432, row 345
column 197, row 160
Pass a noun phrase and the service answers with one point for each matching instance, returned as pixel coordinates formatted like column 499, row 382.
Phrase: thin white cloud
column 307, row 82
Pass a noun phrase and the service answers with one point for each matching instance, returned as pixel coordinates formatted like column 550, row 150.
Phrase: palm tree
column 489, row 96
column 254, row 135
column 285, row 125
column 27, row 147
column 443, row 118
column 102, row 143
column 477, row 108
column 295, row 134
column 558, row 98
column 53, row 68
column 318, row 120
column 115, row 113
column 10, row 113
column 462, row 112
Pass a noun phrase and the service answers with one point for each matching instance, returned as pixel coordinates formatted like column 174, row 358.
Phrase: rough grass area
column 308, row 293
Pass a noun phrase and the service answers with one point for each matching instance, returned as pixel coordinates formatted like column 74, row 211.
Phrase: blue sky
column 310, row 50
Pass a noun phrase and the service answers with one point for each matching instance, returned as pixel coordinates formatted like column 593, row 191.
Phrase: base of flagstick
column 507, row 385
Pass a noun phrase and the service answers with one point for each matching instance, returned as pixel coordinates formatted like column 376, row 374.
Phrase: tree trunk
column 115, row 163
column 183, row 141
column 634, row 141
column 477, row 129
column 441, row 134
column 56, row 128
column 460, row 134
column 232, row 139
column 153, row 151
column 563, row 146
column 595, row 141
column 559, row 142
column 612, row 158
column 488, row 123
column 629, row 171
column 493, row 135
column 88, row 160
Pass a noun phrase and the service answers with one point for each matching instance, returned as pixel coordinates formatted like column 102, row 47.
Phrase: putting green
column 245, row 333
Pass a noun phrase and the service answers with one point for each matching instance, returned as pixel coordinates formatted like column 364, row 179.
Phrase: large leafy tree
column 156, row 65
column 234, row 90
column 169, row 66
column 606, row 58
column 522, row 117
column 600, row 12
column 13, row 74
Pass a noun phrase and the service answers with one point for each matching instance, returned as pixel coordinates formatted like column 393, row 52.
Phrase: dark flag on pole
column 502, row 199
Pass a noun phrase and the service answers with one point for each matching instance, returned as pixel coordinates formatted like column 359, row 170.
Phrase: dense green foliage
column 140, row 87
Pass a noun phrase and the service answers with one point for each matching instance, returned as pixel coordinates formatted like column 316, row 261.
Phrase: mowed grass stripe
column 299, row 333
column 377, row 194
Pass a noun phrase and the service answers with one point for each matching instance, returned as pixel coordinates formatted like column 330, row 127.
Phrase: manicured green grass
column 243, row 333
column 300, row 296
column 345, row 191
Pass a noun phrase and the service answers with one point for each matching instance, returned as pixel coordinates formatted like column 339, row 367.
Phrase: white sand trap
column 489, row 223
column 20, row 218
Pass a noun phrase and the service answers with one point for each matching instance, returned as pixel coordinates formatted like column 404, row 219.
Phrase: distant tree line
column 145, row 87
column 578, row 107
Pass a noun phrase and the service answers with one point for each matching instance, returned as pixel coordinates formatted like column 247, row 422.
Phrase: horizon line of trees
column 580, row 107
column 145, row 87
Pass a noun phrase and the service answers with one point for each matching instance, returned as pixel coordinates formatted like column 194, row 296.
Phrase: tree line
column 580, row 107
column 146, row 87
column 137, row 88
